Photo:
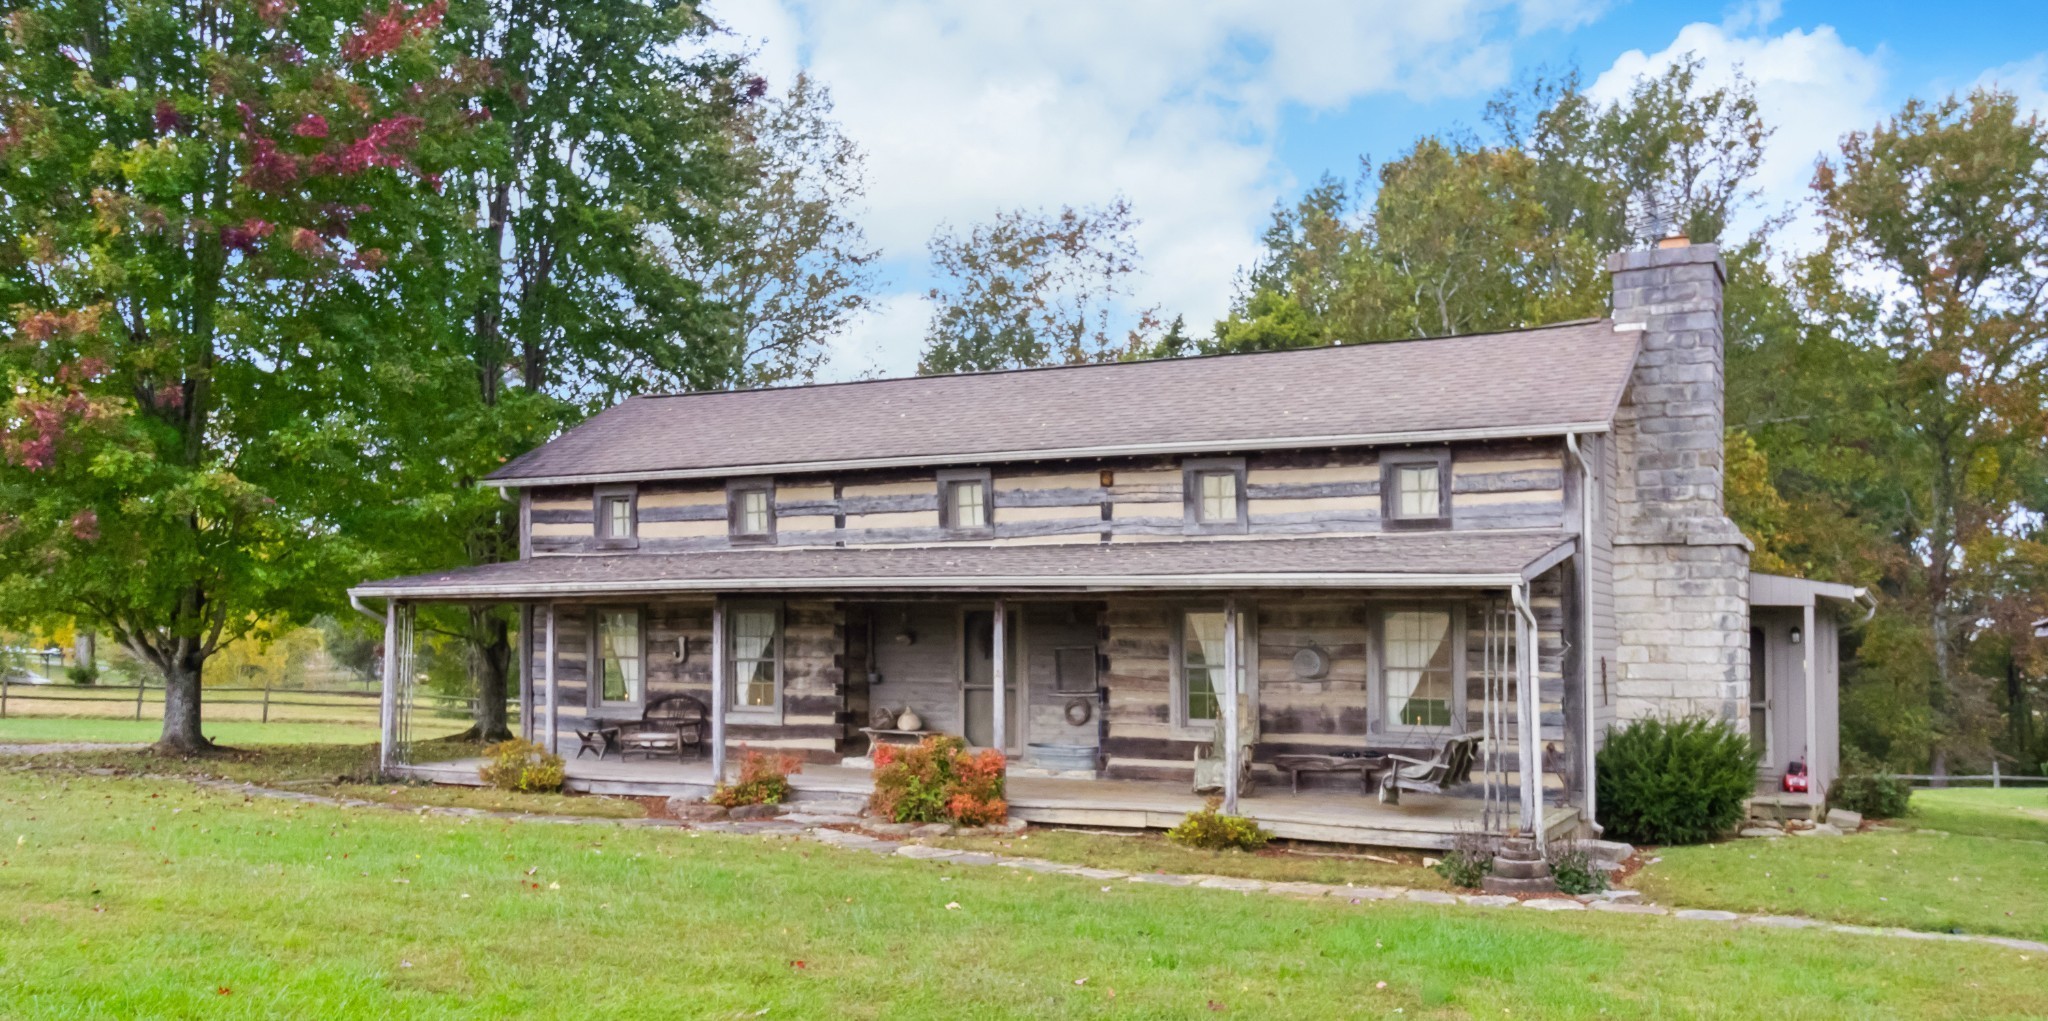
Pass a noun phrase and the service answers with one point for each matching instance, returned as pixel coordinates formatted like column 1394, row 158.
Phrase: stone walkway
column 814, row 827
column 53, row 747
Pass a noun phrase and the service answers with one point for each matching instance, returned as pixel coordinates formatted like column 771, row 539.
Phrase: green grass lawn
column 150, row 899
column 1968, row 860
column 46, row 729
column 1151, row 852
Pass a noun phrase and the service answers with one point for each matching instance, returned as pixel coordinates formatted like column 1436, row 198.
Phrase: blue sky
column 1204, row 113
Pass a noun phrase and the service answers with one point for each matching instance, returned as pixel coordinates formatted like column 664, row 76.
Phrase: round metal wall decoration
column 1311, row 663
column 1080, row 711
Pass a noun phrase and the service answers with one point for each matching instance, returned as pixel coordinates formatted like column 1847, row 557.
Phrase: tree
column 790, row 263
column 210, row 211
column 1031, row 288
column 1937, row 252
column 609, row 146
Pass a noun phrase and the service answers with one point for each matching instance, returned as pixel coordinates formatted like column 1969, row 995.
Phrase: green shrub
column 939, row 780
column 1470, row 859
column 1872, row 795
column 1679, row 781
column 82, row 673
column 764, row 780
column 517, row 765
column 1211, row 830
column 1574, row 869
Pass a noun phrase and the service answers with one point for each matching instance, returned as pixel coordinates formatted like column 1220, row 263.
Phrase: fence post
column 266, row 698
column 3, row 697
column 140, row 684
column 1994, row 773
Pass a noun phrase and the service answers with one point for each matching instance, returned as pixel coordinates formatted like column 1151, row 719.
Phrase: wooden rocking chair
column 1451, row 766
column 667, row 727
column 1210, row 765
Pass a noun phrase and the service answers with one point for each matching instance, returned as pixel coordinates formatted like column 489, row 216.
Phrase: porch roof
column 1401, row 560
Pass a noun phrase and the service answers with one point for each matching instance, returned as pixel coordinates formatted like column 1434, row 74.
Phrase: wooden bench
column 1366, row 766
column 878, row 735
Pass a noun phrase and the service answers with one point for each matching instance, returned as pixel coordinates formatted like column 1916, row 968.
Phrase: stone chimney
column 1681, row 568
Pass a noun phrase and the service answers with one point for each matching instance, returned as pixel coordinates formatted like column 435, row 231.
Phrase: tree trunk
column 490, row 647
column 181, row 669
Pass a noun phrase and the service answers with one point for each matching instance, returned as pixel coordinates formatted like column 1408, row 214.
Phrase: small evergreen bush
column 1874, row 795
column 1675, row 781
column 938, row 780
column 82, row 673
column 517, row 765
column 1211, row 830
column 1574, row 869
column 764, row 780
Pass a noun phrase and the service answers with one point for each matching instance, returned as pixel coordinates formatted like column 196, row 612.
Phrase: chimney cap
column 1675, row 241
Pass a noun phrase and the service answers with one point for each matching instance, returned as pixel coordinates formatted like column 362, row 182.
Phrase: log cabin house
column 1364, row 549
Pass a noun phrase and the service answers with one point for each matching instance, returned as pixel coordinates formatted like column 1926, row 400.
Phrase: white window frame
column 1185, row 726
column 1381, row 714
column 1195, row 521
column 1392, row 515
column 736, row 494
column 753, row 713
column 598, row 651
column 602, row 498
column 949, row 480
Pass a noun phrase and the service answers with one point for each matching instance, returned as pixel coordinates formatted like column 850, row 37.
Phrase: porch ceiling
column 1394, row 560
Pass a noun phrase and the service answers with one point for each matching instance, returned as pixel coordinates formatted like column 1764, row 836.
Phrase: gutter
column 355, row 602
column 1058, row 454
column 928, row 584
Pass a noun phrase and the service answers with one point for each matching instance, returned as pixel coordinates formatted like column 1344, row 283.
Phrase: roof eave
column 1062, row 454
column 1041, row 583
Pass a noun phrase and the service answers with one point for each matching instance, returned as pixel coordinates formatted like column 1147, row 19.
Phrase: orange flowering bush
column 939, row 780
column 764, row 780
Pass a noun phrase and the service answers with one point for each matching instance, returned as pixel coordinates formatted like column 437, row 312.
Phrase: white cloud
column 965, row 108
column 1811, row 86
column 2027, row 79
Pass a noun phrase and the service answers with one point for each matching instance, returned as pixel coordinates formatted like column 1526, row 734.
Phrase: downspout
column 1587, row 495
column 1527, row 709
column 355, row 602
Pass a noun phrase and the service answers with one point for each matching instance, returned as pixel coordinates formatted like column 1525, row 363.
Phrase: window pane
column 618, row 517
column 754, row 512
column 1418, row 670
column 753, row 654
column 618, row 643
column 1420, row 491
column 1202, row 663
column 969, row 505
column 1219, row 496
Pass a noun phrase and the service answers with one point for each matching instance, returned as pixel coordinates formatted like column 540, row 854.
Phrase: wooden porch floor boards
column 1421, row 821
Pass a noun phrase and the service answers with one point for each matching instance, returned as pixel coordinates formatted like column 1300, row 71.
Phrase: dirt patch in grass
column 1151, row 852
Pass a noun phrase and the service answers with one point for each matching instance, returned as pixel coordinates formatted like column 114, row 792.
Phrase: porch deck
column 1421, row 821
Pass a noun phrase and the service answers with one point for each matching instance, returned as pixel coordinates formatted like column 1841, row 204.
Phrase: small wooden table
column 877, row 734
column 1366, row 766
column 598, row 736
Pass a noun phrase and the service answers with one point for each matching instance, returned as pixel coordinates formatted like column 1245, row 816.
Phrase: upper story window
column 1415, row 489
column 618, row 517
column 1214, row 494
column 750, row 510
column 964, row 502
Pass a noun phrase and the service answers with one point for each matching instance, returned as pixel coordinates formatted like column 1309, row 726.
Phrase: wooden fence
column 345, row 702
column 1995, row 778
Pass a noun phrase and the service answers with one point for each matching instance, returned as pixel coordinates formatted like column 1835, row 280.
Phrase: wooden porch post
column 526, row 671
column 1528, row 729
column 549, row 671
column 999, row 717
column 1806, row 621
column 1232, row 750
column 718, row 695
column 387, row 706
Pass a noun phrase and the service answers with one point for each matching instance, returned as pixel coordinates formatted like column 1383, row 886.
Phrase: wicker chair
column 667, row 726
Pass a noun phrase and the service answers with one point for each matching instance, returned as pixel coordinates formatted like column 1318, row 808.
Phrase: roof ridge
column 1178, row 359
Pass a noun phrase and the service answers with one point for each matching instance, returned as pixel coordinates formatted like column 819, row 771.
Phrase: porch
column 1320, row 814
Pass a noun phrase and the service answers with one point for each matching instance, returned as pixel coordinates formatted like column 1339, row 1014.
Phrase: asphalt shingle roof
column 1247, row 563
column 1541, row 379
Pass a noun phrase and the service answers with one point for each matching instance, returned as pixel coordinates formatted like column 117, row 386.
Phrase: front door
column 1759, row 698
column 978, row 678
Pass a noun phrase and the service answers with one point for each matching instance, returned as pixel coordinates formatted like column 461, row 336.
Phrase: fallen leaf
column 952, row 905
